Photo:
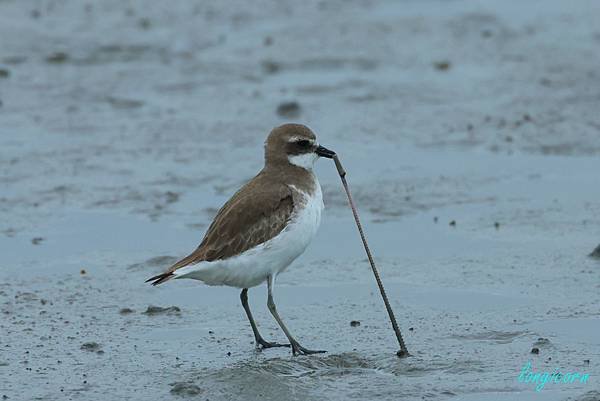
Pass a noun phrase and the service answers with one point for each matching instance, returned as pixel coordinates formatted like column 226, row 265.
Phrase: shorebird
column 264, row 227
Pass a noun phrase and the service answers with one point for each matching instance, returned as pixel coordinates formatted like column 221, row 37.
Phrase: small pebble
column 289, row 109
column 144, row 23
column 158, row 310
column 185, row 389
column 271, row 67
column 541, row 341
column 90, row 346
column 355, row 323
column 453, row 223
column 82, row 272
column 535, row 350
column 496, row 225
column 442, row 65
column 57, row 58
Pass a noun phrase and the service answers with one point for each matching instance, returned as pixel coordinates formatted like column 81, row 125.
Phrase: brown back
column 257, row 212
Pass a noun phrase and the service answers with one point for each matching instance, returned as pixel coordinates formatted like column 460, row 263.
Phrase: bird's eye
column 303, row 143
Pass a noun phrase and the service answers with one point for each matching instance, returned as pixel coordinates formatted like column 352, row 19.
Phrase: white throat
column 305, row 160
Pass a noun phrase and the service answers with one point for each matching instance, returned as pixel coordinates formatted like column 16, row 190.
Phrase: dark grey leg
column 260, row 342
column 296, row 347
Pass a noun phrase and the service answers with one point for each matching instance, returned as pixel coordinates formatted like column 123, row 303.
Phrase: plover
column 264, row 227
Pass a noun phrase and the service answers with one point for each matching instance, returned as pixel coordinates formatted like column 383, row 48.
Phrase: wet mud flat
column 470, row 140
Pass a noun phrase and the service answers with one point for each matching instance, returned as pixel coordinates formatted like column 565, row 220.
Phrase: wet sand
column 469, row 133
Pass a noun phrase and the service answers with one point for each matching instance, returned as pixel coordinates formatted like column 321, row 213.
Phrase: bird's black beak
column 324, row 152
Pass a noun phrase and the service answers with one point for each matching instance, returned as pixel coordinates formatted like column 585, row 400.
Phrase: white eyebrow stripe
column 299, row 138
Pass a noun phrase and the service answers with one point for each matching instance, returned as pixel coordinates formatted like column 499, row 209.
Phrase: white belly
column 252, row 267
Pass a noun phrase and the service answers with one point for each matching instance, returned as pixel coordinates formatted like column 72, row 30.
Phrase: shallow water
column 124, row 127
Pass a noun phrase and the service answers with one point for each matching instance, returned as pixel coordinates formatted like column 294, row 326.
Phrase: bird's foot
column 262, row 344
column 297, row 349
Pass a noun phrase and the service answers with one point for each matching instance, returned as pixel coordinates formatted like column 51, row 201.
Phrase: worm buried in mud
column 403, row 352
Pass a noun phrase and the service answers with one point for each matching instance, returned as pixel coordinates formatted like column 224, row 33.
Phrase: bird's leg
column 260, row 342
column 296, row 347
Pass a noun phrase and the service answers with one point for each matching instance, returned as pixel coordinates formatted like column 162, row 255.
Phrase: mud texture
column 470, row 135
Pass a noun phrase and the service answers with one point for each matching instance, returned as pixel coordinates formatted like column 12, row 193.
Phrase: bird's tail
column 192, row 258
column 161, row 278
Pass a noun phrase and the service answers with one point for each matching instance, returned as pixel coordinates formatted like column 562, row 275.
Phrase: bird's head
column 294, row 144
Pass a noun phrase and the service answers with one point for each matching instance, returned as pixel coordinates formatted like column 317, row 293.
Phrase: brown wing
column 252, row 216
